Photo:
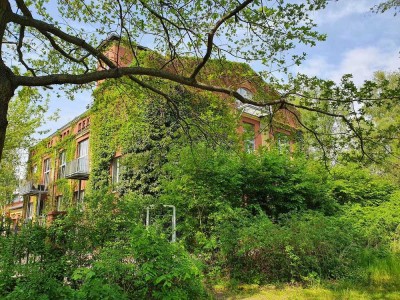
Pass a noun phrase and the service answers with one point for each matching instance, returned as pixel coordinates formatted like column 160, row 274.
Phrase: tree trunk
column 6, row 93
column 6, row 86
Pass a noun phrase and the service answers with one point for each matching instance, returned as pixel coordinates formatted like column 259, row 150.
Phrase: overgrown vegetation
column 268, row 217
column 250, row 218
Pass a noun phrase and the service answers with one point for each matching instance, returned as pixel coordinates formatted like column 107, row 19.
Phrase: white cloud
column 337, row 10
column 361, row 62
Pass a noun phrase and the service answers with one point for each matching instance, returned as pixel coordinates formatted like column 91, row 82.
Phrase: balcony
column 77, row 169
column 28, row 188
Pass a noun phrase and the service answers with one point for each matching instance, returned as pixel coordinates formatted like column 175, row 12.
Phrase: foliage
column 202, row 30
column 249, row 217
column 378, row 224
column 25, row 115
column 351, row 183
column 304, row 248
column 336, row 118
column 68, row 260
column 387, row 5
column 144, row 128
column 385, row 115
column 202, row 180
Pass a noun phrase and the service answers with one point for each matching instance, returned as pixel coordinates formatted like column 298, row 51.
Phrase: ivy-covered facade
column 122, row 142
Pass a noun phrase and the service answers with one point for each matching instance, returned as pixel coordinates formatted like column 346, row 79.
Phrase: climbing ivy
column 143, row 127
column 43, row 149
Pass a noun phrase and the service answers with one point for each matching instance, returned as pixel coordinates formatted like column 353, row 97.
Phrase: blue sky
column 358, row 42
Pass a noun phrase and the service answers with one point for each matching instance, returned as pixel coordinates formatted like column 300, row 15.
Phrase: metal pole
column 147, row 217
column 79, row 193
column 38, row 204
column 173, row 224
column 173, row 238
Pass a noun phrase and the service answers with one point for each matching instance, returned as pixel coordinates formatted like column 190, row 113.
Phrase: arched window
column 245, row 93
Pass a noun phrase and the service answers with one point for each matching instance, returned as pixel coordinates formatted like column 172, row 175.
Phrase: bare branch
column 19, row 46
column 342, row 101
column 336, row 115
column 211, row 34
column 43, row 26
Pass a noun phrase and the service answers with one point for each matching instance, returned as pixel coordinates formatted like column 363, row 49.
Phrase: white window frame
column 62, row 160
column 283, row 142
column 29, row 210
column 245, row 93
column 47, row 171
column 116, row 170
column 80, row 201
column 83, row 153
column 40, row 207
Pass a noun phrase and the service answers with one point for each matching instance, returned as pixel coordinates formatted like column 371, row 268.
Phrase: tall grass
column 384, row 272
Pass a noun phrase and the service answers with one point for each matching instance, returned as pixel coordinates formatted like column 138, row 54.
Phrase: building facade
column 59, row 166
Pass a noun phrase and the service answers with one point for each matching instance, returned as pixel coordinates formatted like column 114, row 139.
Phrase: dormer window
column 245, row 93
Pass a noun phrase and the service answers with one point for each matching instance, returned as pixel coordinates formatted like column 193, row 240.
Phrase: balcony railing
column 29, row 188
column 77, row 168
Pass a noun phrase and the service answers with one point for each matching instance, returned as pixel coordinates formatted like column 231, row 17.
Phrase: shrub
column 205, row 183
column 377, row 224
column 146, row 267
column 351, row 183
column 301, row 249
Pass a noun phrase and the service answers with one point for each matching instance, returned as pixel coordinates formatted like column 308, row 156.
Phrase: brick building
column 59, row 166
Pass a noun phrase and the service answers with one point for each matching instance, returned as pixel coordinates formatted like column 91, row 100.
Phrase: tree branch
column 19, row 46
column 45, row 27
column 125, row 71
column 211, row 34
column 341, row 116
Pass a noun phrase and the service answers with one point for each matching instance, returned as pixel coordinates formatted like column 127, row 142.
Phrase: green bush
column 352, row 183
column 301, row 249
column 205, row 183
column 146, row 267
column 164, row 270
column 377, row 224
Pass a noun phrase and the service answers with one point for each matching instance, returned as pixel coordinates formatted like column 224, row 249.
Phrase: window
column 116, row 170
column 46, row 171
column 249, row 137
column 59, row 202
column 40, row 207
column 245, row 93
column 282, row 142
column 83, row 150
column 61, row 164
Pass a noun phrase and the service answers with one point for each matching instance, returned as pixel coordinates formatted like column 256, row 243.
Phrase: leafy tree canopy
column 44, row 44
column 24, row 116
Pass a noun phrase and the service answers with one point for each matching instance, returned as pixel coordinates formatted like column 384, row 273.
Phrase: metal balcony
column 77, row 169
column 28, row 188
